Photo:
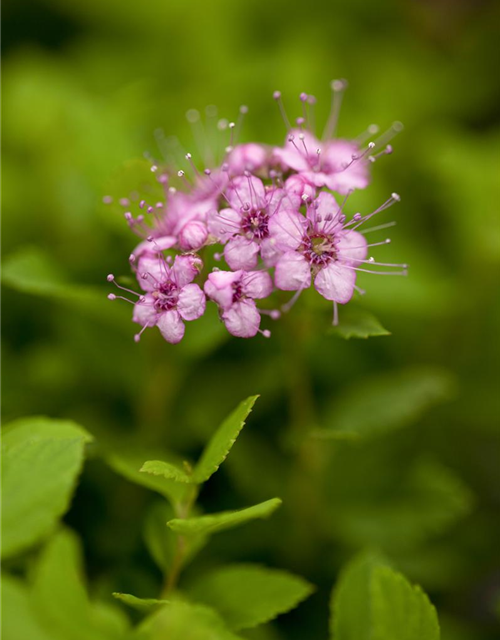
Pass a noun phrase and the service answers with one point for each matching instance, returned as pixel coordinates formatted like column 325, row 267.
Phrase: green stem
column 182, row 511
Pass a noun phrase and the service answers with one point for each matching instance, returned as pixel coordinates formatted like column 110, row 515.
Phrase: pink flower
column 318, row 246
column 235, row 293
column 246, row 157
column 245, row 225
column 336, row 164
column 171, row 295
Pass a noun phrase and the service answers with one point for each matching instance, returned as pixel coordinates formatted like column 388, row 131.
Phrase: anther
column 107, row 199
column 110, row 277
column 111, row 296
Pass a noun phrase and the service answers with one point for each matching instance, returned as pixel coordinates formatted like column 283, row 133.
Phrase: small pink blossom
column 235, row 292
column 318, row 246
column 246, row 157
column 171, row 295
column 336, row 164
column 244, row 227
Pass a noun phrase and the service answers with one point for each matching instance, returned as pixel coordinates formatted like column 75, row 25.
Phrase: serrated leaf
column 400, row 610
column 374, row 602
column 42, row 459
column 358, row 323
column 388, row 402
column 141, row 604
column 128, row 464
column 165, row 469
column 19, row 621
column 183, row 620
column 221, row 442
column 225, row 520
column 248, row 595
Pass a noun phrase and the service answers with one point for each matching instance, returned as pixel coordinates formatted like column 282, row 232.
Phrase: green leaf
column 225, row 520
column 139, row 603
column 183, row 621
column 19, row 621
column 41, row 462
column 32, row 271
column 248, row 595
column 388, row 402
column 128, row 464
column 373, row 602
column 355, row 322
column 400, row 610
column 165, row 469
column 221, row 442
column 59, row 594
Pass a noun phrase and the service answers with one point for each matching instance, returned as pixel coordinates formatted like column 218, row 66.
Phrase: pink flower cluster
column 274, row 217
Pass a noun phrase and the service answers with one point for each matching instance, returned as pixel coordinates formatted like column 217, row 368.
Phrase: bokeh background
column 86, row 84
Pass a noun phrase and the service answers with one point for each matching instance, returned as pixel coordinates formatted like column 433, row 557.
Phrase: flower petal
column 241, row 253
column 144, row 311
column 269, row 252
column 246, row 157
column 256, row 284
column 248, row 192
column 293, row 155
column 352, row 248
column 152, row 247
column 336, row 282
column 219, row 287
column 323, row 213
column 152, row 269
column 242, row 319
column 191, row 302
column 287, row 228
column 224, row 223
column 292, row 272
column 185, row 269
column 171, row 326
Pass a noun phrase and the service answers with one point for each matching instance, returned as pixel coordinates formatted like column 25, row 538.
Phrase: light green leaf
column 41, row 461
column 141, row 604
column 59, row 595
column 388, row 402
column 221, row 442
column 373, row 602
column 358, row 323
column 165, row 469
column 19, row 621
column 128, row 464
column 400, row 610
column 225, row 520
column 248, row 595
column 182, row 620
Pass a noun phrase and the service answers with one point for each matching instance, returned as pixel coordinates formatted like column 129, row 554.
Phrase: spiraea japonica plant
column 261, row 221
column 248, row 232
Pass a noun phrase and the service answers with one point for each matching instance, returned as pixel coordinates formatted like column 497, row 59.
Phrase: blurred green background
column 86, row 84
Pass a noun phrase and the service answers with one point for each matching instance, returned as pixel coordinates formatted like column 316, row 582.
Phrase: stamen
column 274, row 314
column 338, row 87
column 379, row 227
column 277, row 97
column 286, row 307
column 239, row 122
column 189, row 158
column 335, row 314
column 388, row 150
column 388, row 135
column 266, row 333
column 372, row 130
